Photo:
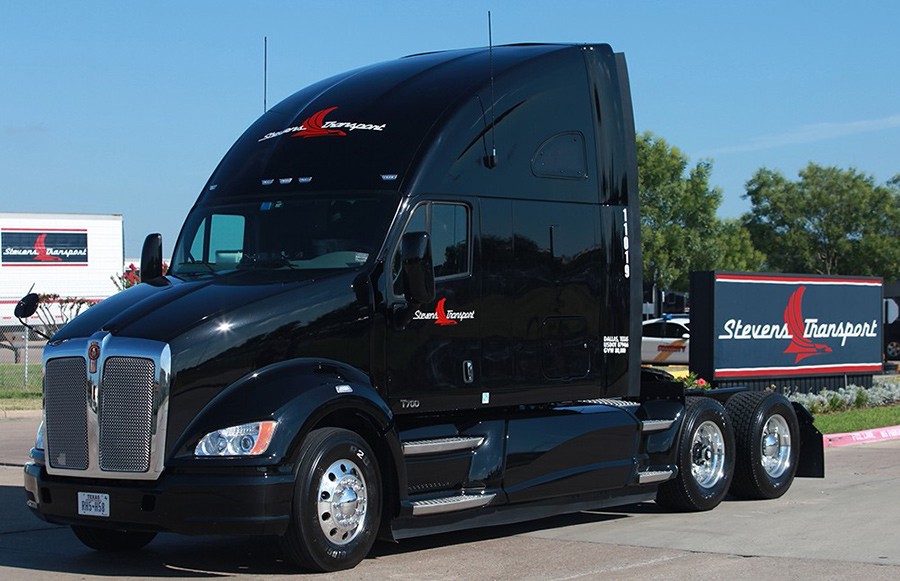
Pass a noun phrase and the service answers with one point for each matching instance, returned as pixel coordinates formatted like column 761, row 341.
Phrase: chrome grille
column 126, row 414
column 65, row 406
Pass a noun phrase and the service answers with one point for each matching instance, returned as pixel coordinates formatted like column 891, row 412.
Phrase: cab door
column 433, row 351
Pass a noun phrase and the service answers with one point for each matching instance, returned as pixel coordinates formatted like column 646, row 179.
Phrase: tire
column 705, row 452
column 892, row 350
column 337, row 502
column 767, row 436
column 109, row 540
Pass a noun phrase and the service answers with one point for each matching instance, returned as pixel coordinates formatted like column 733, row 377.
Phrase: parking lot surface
column 842, row 527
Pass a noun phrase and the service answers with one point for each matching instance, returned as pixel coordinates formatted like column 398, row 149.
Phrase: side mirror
column 418, row 271
column 151, row 258
column 27, row 306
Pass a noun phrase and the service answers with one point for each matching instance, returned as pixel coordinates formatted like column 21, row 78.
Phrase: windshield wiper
column 250, row 261
column 188, row 266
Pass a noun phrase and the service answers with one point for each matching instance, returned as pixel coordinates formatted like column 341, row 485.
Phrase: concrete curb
column 861, row 437
column 20, row 414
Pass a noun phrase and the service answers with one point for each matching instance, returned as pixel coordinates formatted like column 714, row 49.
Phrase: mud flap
column 812, row 446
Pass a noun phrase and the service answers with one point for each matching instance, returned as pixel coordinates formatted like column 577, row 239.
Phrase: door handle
column 468, row 371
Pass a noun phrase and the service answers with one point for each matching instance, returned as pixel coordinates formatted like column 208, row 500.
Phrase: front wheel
column 705, row 458
column 109, row 540
column 767, row 437
column 337, row 502
column 892, row 350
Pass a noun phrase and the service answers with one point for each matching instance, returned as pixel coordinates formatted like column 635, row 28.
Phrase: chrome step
column 619, row 403
column 441, row 445
column 450, row 504
column 656, row 425
column 653, row 476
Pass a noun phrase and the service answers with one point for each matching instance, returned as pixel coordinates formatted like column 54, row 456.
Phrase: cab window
column 448, row 225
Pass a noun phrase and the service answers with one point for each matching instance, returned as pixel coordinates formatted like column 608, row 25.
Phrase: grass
column 12, row 380
column 9, row 404
column 14, row 393
column 858, row 419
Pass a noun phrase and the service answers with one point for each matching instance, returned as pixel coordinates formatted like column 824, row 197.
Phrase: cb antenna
column 491, row 160
column 265, row 73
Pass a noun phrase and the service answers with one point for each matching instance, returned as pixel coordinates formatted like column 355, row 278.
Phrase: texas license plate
column 93, row 504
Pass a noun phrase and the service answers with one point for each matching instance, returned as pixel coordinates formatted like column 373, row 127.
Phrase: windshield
column 288, row 233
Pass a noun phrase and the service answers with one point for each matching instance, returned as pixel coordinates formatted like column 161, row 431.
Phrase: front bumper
column 193, row 503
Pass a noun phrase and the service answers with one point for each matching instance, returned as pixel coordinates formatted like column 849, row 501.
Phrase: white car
column 666, row 341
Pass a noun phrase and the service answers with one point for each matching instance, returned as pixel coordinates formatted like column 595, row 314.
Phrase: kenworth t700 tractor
column 407, row 301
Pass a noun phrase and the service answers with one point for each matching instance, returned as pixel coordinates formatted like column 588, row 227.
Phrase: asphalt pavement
column 842, row 527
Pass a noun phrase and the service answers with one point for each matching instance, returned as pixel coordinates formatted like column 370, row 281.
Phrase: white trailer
column 70, row 255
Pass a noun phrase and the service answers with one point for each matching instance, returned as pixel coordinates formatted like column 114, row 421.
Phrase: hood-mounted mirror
column 26, row 307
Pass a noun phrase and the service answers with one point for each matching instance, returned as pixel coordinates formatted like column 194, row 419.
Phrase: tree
column 830, row 221
column 731, row 248
column 680, row 231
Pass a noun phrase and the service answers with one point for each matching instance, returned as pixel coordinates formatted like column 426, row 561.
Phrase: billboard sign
column 43, row 247
column 749, row 325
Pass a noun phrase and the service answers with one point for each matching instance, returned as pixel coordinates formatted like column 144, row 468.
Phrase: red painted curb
column 862, row 437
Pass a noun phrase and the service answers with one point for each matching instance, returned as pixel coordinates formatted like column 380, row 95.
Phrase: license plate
column 93, row 504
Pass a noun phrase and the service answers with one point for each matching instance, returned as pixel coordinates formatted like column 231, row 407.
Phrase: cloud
column 809, row 134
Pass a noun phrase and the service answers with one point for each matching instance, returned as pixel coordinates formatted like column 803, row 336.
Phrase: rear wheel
column 109, row 540
column 337, row 502
column 705, row 458
column 767, row 438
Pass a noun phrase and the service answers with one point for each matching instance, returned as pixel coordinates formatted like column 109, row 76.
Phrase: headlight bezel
column 248, row 440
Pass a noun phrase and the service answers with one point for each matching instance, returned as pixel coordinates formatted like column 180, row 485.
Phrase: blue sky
column 126, row 107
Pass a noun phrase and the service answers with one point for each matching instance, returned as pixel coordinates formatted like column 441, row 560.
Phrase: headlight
column 39, row 438
column 245, row 440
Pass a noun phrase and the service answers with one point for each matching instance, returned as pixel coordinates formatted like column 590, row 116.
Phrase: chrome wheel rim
column 342, row 502
column 708, row 455
column 776, row 446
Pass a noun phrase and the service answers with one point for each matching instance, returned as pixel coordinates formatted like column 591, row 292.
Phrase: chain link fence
column 21, row 352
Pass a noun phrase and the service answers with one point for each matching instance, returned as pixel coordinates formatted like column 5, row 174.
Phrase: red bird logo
column 442, row 314
column 793, row 318
column 40, row 247
column 313, row 127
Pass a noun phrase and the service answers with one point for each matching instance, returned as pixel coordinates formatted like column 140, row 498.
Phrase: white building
column 70, row 255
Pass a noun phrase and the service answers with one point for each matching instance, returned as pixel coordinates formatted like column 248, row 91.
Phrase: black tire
column 337, row 502
column 109, row 540
column 705, row 458
column 767, row 436
column 892, row 350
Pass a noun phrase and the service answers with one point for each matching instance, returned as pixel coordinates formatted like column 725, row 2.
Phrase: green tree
column 731, row 248
column 680, row 231
column 829, row 221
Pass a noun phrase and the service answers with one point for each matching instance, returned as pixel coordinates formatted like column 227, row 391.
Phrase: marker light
column 39, row 438
column 245, row 440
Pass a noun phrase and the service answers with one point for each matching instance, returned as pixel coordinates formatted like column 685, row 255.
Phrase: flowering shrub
column 131, row 276
column 67, row 308
column 692, row 381
column 884, row 391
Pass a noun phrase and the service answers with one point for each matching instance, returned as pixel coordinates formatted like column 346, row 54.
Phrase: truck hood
column 169, row 307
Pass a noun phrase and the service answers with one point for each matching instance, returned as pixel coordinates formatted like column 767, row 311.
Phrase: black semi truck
column 406, row 302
